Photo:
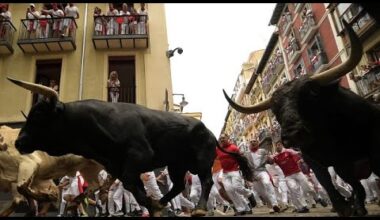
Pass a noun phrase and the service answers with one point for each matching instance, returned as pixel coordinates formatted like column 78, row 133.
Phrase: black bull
column 331, row 125
column 127, row 139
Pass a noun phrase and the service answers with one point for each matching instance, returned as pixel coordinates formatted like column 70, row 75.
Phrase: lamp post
column 183, row 103
column 170, row 53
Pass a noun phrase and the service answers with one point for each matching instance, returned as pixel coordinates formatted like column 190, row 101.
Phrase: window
column 125, row 67
column 353, row 14
column 286, row 20
column 299, row 69
column 46, row 72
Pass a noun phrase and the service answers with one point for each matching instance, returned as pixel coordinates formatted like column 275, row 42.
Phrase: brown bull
column 31, row 175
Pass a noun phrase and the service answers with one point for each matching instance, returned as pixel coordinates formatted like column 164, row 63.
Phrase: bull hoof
column 198, row 213
column 156, row 213
column 360, row 212
column 346, row 212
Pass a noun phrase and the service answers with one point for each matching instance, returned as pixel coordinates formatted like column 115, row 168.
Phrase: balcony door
column 47, row 71
column 125, row 67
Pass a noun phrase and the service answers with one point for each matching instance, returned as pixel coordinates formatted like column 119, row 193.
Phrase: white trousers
column 151, row 187
column 295, row 183
column 130, row 202
column 233, row 183
column 215, row 197
column 115, row 197
column 264, row 187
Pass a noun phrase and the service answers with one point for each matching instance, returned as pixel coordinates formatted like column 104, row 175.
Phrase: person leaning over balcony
column 56, row 13
column 99, row 21
column 43, row 23
column 124, row 19
column 132, row 19
column 31, row 23
column 70, row 11
column 5, row 15
column 112, row 26
column 114, row 86
column 143, row 18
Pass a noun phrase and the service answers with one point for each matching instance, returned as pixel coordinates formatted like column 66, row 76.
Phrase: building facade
column 79, row 54
column 309, row 39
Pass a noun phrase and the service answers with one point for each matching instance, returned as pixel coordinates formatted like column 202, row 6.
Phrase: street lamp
column 183, row 103
column 170, row 53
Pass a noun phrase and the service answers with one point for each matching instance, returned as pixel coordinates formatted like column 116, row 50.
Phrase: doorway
column 125, row 67
column 47, row 71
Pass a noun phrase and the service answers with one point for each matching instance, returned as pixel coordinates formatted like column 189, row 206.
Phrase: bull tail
column 242, row 161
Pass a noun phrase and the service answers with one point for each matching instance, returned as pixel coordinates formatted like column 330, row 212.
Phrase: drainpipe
column 82, row 55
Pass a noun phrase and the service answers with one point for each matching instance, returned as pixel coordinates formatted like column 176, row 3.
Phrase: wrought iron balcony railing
column 47, row 34
column 7, row 31
column 122, row 31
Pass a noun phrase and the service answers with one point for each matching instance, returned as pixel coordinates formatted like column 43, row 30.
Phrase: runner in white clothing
column 262, row 183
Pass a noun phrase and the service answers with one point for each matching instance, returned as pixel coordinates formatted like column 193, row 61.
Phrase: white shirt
column 143, row 18
column 71, row 11
column 57, row 13
column 31, row 16
column 258, row 159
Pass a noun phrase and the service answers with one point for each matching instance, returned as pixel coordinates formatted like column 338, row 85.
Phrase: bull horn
column 259, row 107
column 36, row 88
column 354, row 58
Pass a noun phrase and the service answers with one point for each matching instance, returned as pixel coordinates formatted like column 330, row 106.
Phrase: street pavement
column 319, row 211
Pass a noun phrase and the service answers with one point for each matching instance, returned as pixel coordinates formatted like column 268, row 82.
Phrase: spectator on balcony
column 132, row 19
column 99, row 21
column 112, row 26
column 69, row 24
column 114, row 86
column 43, row 24
column 6, row 19
column 56, row 14
column 143, row 17
column 31, row 24
column 315, row 57
column 124, row 24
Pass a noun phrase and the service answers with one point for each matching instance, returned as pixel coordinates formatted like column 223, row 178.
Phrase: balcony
column 120, row 32
column 7, row 31
column 40, row 35
column 126, row 94
column 307, row 29
column 319, row 62
column 293, row 51
column 369, row 83
column 271, row 74
column 287, row 23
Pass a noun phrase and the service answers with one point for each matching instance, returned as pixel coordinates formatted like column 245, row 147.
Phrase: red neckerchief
column 254, row 149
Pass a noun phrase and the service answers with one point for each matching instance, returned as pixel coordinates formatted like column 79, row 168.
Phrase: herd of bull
column 331, row 125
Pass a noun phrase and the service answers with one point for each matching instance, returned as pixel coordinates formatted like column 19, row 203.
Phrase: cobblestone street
column 373, row 209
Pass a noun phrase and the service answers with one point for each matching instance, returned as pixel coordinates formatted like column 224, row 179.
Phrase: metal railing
column 291, row 49
column 126, row 94
column 120, row 25
column 271, row 73
column 7, row 31
column 47, row 28
column 286, row 22
column 369, row 82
